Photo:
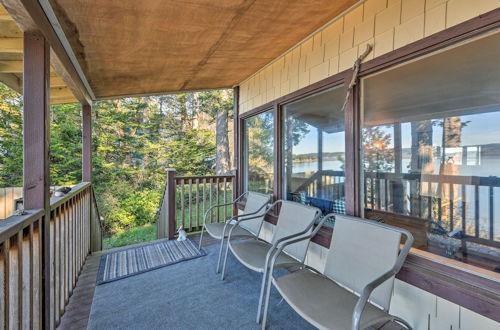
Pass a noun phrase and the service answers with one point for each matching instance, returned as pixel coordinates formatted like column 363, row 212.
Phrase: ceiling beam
column 11, row 45
column 63, row 101
column 11, row 66
column 61, row 93
column 12, row 81
column 30, row 16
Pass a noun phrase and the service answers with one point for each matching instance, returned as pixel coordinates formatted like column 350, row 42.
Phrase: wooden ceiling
column 11, row 62
column 129, row 47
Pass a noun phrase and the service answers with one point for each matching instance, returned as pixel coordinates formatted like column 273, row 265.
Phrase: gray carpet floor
column 188, row 295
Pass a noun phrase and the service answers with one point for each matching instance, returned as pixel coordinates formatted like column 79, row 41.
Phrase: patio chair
column 294, row 220
column 255, row 206
column 355, row 289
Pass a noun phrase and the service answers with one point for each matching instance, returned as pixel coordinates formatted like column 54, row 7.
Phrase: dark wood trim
column 460, row 32
column 263, row 108
column 241, row 157
column 352, row 145
column 278, row 149
column 473, row 292
column 236, row 143
column 86, row 143
column 171, row 202
column 329, row 82
column 229, row 177
column 36, row 176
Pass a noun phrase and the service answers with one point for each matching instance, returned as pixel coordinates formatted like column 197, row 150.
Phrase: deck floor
column 77, row 312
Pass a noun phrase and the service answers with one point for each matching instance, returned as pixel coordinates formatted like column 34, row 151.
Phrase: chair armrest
column 268, row 208
column 286, row 238
column 220, row 205
column 368, row 289
column 277, row 248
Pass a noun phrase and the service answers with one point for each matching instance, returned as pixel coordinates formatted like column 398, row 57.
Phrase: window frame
column 454, row 281
column 244, row 147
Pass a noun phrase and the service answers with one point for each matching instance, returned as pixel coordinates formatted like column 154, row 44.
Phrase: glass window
column 314, row 150
column 431, row 150
column 259, row 152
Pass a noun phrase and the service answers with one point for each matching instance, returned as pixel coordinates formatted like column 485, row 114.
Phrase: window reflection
column 314, row 151
column 259, row 152
column 431, row 151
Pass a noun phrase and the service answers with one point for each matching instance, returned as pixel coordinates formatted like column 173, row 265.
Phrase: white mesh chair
column 294, row 220
column 354, row 291
column 255, row 206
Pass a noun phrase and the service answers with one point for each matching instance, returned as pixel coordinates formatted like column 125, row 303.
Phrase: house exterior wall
column 388, row 25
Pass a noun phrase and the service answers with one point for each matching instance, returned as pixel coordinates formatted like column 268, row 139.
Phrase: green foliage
column 135, row 139
column 11, row 138
column 378, row 155
column 132, row 236
column 65, row 145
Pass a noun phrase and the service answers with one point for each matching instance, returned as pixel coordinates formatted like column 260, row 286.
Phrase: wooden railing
column 186, row 199
column 448, row 200
column 21, row 264
column 326, row 184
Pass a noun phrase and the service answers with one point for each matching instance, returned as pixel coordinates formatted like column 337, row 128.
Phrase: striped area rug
column 124, row 263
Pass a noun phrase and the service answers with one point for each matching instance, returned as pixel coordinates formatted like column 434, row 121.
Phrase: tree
column 65, row 144
column 378, row 155
column 11, row 138
column 219, row 105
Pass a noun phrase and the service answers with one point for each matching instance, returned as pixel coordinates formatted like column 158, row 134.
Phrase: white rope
column 355, row 73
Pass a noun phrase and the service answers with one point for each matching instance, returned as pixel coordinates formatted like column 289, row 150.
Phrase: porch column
column 237, row 190
column 36, row 147
column 86, row 143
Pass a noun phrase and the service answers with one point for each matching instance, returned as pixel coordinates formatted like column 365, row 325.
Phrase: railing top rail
column 16, row 223
column 438, row 178
column 204, row 177
column 57, row 201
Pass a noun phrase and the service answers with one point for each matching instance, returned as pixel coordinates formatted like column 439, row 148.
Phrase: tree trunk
column 222, row 165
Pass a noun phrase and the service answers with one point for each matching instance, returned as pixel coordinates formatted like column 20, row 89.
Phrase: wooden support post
column 36, row 147
column 237, row 136
column 171, row 203
column 86, row 143
column 352, row 147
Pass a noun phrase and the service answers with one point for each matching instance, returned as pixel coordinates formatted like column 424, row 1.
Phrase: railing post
column 234, row 181
column 86, row 143
column 170, row 198
column 36, row 149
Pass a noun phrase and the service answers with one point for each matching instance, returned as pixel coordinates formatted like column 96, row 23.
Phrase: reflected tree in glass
column 259, row 143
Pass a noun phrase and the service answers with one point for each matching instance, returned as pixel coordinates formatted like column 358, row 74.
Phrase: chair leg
column 201, row 237
column 268, row 294
column 261, row 298
column 223, row 275
column 217, row 271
